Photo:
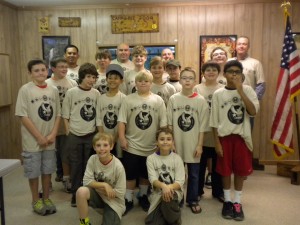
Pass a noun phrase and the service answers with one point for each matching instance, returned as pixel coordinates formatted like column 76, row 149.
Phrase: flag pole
column 285, row 6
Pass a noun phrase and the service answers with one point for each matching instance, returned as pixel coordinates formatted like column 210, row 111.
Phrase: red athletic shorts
column 237, row 158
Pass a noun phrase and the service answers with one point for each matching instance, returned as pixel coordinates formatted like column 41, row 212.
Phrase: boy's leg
column 171, row 211
column 46, row 180
column 34, row 188
column 217, row 187
column 59, row 168
column 202, row 170
column 110, row 217
column 143, row 184
column 155, row 217
column 82, row 197
column 193, row 187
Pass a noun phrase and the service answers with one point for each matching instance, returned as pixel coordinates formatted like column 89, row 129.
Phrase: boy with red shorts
column 230, row 111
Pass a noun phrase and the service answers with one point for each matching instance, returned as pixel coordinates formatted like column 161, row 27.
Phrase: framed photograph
column 153, row 50
column 209, row 42
column 53, row 46
column 297, row 41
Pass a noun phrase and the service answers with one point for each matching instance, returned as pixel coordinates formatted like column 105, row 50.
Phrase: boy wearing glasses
column 187, row 114
column 230, row 111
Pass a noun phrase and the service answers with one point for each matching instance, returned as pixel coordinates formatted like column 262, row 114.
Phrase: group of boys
column 127, row 125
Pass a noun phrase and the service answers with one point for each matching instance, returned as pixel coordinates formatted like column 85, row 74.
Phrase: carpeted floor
column 267, row 199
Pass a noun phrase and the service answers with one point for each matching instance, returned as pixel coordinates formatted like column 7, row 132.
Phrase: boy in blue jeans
column 187, row 113
column 79, row 114
column 231, row 108
column 39, row 110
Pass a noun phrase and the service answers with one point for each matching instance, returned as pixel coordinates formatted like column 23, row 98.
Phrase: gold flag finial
column 285, row 6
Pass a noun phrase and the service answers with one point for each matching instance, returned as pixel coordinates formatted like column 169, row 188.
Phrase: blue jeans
column 193, row 182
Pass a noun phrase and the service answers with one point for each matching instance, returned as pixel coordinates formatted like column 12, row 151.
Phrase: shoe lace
column 237, row 207
column 48, row 202
column 38, row 204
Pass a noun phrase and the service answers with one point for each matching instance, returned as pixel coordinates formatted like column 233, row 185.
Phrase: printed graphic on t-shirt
column 45, row 111
column 102, row 88
column 144, row 119
column 101, row 177
column 72, row 75
column 208, row 99
column 62, row 93
column 186, row 120
column 88, row 112
column 110, row 118
column 236, row 114
column 164, row 175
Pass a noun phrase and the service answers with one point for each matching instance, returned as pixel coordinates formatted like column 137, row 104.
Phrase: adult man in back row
column 253, row 70
column 123, row 53
column 72, row 56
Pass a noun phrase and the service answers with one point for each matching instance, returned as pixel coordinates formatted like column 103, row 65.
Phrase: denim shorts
column 37, row 163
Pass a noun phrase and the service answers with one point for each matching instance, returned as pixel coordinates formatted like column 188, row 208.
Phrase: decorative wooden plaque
column 69, row 21
column 134, row 23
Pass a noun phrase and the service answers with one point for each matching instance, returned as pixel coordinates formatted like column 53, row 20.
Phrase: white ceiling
column 51, row 3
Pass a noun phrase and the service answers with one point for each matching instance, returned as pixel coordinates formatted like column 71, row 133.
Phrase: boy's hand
column 219, row 149
column 167, row 193
column 124, row 144
column 238, row 82
column 108, row 191
column 51, row 139
column 42, row 141
column 198, row 151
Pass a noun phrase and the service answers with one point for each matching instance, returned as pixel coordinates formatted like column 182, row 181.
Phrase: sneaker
column 238, row 213
column 39, row 207
column 144, row 202
column 73, row 201
column 208, row 181
column 51, row 208
column 67, row 186
column 83, row 222
column 129, row 206
column 227, row 211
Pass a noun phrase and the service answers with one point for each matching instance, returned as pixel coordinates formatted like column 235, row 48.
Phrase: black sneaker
column 128, row 205
column 144, row 202
column 227, row 211
column 238, row 213
column 73, row 201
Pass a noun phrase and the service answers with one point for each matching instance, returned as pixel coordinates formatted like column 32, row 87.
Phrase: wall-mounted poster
column 53, row 47
column 209, row 42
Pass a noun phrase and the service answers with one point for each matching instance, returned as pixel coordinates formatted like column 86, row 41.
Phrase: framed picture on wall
column 53, row 46
column 153, row 50
column 209, row 42
column 297, row 41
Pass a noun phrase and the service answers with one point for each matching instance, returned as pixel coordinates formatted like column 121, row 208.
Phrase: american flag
column 288, row 87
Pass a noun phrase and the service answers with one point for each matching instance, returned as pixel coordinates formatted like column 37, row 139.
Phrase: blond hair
column 139, row 50
column 143, row 76
column 105, row 137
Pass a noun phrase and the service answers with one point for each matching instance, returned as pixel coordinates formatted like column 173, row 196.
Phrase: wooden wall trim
column 148, row 5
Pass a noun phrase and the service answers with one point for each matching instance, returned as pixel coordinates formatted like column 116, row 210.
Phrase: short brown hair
column 139, row 50
column 105, row 53
column 103, row 136
column 165, row 130
column 188, row 69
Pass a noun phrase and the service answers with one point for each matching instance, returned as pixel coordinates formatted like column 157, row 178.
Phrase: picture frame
column 153, row 50
column 296, row 37
column 54, row 46
column 209, row 42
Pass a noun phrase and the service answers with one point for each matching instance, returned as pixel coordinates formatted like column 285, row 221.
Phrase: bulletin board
column 5, row 84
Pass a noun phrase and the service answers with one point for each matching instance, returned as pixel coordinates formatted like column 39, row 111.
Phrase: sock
column 84, row 221
column 143, row 189
column 129, row 195
column 237, row 196
column 227, row 196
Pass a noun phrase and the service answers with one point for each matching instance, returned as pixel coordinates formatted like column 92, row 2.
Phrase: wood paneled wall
column 262, row 22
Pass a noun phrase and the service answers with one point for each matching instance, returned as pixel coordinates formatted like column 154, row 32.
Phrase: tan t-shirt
column 79, row 107
column 142, row 117
column 165, row 91
column 73, row 73
column 126, row 66
column 101, row 83
column 41, row 106
column 189, row 116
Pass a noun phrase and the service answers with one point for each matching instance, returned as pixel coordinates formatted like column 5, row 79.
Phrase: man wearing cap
column 123, row 53
column 173, row 68
column 109, row 105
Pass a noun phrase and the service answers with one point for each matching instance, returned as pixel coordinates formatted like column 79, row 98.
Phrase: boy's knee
column 83, row 193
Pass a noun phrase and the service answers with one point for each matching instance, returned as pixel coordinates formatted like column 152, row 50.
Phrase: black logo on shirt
column 236, row 114
column 45, row 111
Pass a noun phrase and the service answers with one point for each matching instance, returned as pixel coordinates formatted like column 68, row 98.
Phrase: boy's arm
column 199, row 150
column 67, row 126
column 249, row 105
column 103, row 188
column 219, row 149
column 28, row 124
column 122, row 138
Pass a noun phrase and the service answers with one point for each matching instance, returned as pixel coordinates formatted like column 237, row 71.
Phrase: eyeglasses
column 187, row 78
column 232, row 72
column 220, row 53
